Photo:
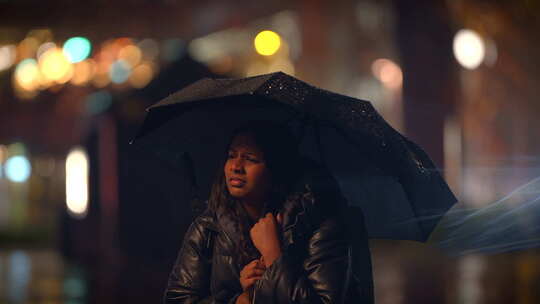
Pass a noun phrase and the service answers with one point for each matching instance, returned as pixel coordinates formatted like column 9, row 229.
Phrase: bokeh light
column 119, row 71
column 142, row 75
column 469, row 48
column 18, row 168
column 55, row 66
column 173, row 49
column 3, row 156
column 267, row 43
column 8, row 54
column 77, row 49
column 44, row 48
column 27, row 48
column 75, row 287
column 130, row 54
column 98, row 102
column 3, row 153
column 149, row 49
column 103, row 62
column 387, row 72
column 27, row 75
column 491, row 53
column 83, row 72
column 77, row 182
column 16, row 148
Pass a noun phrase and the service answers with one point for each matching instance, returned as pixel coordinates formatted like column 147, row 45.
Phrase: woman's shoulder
column 206, row 219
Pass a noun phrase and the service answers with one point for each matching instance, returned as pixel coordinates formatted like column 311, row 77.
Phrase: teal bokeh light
column 119, row 71
column 77, row 49
column 98, row 102
column 18, row 169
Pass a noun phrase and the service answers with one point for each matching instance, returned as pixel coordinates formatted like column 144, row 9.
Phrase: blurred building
column 85, row 219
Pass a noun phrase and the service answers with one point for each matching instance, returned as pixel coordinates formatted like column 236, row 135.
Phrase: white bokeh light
column 469, row 49
column 77, row 182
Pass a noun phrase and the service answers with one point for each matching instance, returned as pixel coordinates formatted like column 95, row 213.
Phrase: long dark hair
column 281, row 156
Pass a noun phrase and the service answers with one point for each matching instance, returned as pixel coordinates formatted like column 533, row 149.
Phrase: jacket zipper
column 257, row 283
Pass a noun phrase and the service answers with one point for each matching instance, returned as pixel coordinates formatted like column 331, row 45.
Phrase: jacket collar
column 299, row 213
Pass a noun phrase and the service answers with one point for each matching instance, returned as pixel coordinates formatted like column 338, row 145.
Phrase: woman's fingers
column 255, row 272
column 256, row 264
column 251, row 281
column 252, row 272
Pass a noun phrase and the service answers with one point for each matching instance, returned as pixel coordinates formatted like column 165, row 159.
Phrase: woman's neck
column 254, row 210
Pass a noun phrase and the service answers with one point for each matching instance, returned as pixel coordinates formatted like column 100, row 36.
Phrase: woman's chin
column 237, row 193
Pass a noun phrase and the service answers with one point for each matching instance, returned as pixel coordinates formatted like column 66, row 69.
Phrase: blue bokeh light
column 18, row 168
column 120, row 71
column 77, row 49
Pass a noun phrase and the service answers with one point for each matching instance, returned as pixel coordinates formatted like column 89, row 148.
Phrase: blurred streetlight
column 77, row 182
column 469, row 48
column 267, row 43
column 55, row 66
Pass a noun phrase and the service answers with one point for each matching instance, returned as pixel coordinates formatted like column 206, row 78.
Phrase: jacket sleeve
column 189, row 280
column 320, row 277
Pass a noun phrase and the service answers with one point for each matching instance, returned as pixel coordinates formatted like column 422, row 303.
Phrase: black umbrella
column 391, row 178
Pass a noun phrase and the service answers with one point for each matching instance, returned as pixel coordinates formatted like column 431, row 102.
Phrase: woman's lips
column 237, row 182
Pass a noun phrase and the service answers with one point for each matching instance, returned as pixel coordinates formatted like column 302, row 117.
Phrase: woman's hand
column 251, row 273
column 243, row 298
column 264, row 235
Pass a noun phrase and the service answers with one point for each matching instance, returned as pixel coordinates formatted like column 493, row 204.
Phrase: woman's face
column 246, row 174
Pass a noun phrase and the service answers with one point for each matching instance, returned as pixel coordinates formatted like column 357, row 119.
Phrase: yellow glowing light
column 55, row 66
column 131, row 54
column 83, row 72
column 388, row 72
column 267, row 43
column 141, row 75
column 27, row 75
column 77, row 182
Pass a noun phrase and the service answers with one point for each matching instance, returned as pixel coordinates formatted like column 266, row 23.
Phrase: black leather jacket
column 321, row 261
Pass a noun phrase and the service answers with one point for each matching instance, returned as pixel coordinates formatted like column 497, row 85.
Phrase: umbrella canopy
column 392, row 179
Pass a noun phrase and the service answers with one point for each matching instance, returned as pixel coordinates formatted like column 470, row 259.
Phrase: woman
column 273, row 231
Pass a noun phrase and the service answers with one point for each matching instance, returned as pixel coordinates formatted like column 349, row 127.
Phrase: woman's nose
column 238, row 165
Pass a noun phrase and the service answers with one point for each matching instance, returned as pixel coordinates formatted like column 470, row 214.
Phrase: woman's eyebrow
column 234, row 150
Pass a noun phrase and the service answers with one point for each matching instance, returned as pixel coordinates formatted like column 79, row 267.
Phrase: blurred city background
column 84, row 219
